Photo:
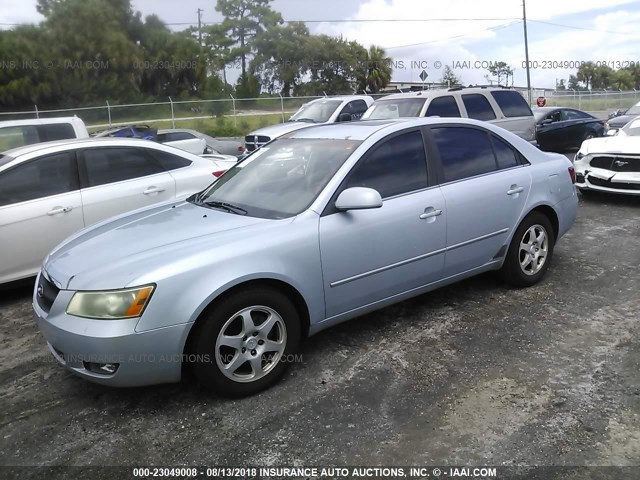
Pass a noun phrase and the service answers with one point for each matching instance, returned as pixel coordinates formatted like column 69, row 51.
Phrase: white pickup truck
column 342, row 108
column 16, row 133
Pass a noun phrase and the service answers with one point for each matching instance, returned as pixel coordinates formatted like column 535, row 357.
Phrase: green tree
column 586, row 74
column 243, row 20
column 283, row 57
column 622, row 79
column 449, row 77
column 501, row 71
column 374, row 72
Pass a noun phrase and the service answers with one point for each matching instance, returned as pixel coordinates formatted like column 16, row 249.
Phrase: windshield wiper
column 308, row 120
column 226, row 206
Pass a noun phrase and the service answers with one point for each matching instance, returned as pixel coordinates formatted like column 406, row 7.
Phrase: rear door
column 40, row 206
column 485, row 184
column 116, row 180
column 577, row 126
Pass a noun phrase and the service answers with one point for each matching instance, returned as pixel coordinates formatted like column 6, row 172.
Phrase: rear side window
column 464, row 152
column 44, row 177
column 169, row 161
column 397, row 166
column 56, row 131
column 355, row 108
column 505, row 155
column 512, row 103
column 109, row 165
column 174, row 136
column 443, row 107
column 478, row 107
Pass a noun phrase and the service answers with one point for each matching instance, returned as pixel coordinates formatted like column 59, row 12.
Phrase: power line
column 497, row 27
column 581, row 28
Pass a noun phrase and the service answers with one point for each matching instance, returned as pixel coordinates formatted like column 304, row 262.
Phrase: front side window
column 109, row 165
column 44, row 177
column 575, row 115
column 281, row 179
column 355, row 108
column 464, row 152
column 478, row 107
column 397, row 166
column 511, row 103
column 445, row 106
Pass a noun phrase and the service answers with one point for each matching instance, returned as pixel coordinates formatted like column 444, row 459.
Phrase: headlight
column 112, row 304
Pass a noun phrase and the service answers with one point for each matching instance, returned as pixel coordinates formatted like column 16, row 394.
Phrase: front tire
column 245, row 342
column 530, row 252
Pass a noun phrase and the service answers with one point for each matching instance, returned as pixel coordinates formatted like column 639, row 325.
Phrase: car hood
column 112, row 253
column 620, row 121
column 616, row 144
column 274, row 131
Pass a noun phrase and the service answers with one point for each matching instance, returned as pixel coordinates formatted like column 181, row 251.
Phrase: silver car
column 320, row 226
column 50, row 190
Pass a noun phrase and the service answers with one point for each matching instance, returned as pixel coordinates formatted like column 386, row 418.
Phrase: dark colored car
column 559, row 128
column 617, row 122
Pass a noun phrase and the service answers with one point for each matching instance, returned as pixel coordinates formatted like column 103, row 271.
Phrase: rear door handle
column 57, row 210
column 515, row 189
column 151, row 190
column 430, row 213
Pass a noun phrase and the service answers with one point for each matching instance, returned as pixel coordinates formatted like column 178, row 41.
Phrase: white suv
column 500, row 106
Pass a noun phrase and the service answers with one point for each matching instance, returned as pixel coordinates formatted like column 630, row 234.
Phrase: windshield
column 280, row 180
column 395, row 108
column 635, row 110
column 632, row 128
column 316, row 112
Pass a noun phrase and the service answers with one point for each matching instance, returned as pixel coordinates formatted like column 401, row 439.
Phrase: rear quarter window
column 512, row 104
column 478, row 107
column 445, row 106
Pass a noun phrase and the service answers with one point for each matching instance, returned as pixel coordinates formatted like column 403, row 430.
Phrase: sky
column 428, row 35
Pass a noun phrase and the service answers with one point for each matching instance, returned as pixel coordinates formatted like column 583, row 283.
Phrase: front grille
column 46, row 293
column 616, row 163
column 599, row 182
column 252, row 142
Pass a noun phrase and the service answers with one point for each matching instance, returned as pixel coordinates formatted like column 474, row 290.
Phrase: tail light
column 572, row 174
column 218, row 173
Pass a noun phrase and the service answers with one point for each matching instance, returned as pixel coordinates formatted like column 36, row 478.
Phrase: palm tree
column 377, row 71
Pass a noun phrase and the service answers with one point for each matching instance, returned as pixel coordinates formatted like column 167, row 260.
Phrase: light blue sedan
column 317, row 227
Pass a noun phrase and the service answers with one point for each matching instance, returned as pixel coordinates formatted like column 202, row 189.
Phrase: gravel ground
column 472, row 374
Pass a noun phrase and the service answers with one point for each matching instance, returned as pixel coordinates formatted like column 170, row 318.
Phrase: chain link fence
column 270, row 110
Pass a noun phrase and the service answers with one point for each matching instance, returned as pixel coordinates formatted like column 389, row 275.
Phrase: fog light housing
column 102, row 368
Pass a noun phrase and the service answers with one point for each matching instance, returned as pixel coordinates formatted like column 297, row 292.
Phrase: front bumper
column 142, row 358
column 620, row 185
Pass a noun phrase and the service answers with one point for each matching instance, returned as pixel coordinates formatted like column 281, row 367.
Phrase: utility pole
column 200, row 26
column 526, row 49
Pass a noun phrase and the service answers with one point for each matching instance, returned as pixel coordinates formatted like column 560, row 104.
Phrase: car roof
column 75, row 143
column 342, row 98
column 444, row 91
column 37, row 121
column 363, row 129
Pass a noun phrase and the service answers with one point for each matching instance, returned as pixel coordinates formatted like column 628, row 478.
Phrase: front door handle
column 430, row 213
column 515, row 189
column 57, row 210
column 152, row 190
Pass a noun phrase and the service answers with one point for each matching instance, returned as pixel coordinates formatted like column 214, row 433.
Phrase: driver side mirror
column 358, row 198
column 344, row 117
column 546, row 121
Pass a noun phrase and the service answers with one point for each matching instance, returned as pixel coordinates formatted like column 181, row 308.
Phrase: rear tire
column 530, row 252
column 245, row 342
